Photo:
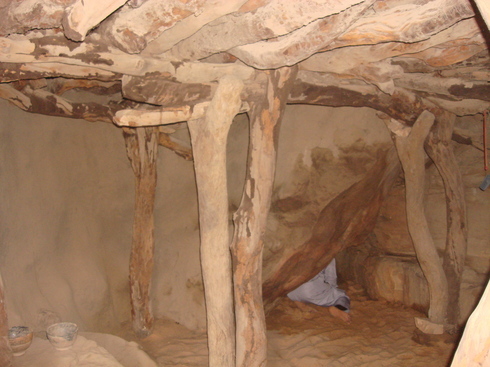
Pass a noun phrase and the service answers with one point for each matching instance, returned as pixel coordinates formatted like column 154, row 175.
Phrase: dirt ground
column 380, row 334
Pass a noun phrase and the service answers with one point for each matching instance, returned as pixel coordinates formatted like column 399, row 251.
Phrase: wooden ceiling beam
column 273, row 19
column 83, row 15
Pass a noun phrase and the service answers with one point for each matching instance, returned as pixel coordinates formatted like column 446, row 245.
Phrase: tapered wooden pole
column 208, row 137
column 142, row 150
column 410, row 146
column 438, row 147
column 251, row 218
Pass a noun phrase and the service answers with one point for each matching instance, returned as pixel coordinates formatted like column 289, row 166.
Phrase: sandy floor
column 380, row 334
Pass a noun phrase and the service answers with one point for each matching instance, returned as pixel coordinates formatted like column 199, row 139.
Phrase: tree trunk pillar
column 251, row 218
column 142, row 150
column 208, row 136
column 440, row 150
column 410, row 146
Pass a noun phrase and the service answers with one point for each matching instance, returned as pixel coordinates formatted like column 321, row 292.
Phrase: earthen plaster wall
column 66, row 209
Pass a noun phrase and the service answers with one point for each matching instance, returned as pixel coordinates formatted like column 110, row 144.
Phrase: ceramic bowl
column 62, row 335
column 20, row 338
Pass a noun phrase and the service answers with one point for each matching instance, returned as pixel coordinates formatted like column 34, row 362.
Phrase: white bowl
column 62, row 335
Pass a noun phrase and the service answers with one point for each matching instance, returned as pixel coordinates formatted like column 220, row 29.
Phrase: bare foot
column 304, row 307
column 339, row 314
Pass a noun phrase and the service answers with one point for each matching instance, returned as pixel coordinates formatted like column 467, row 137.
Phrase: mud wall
column 66, row 207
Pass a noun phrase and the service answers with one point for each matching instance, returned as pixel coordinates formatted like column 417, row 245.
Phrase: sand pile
column 380, row 334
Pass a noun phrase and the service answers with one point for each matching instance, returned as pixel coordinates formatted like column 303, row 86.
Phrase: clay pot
column 20, row 338
column 62, row 335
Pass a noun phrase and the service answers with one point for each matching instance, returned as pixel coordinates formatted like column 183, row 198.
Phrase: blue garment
column 322, row 290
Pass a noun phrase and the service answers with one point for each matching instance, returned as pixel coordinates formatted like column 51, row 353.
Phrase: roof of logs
column 150, row 56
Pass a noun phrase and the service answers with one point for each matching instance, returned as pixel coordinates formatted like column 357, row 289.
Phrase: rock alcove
column 289, row 132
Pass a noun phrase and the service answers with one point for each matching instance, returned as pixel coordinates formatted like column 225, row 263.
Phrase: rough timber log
column 209, row 11
column 21, row 16
column 438, row 147
column 286, row 50
column 208, row 137
column 251, row 218
column 180, row 148
column 409, row 143
column 46, row 103
column 484, row 8
column 142, row 150
column 474, row 347
column 53, row 48
column 339, row 225
column 5, row 353
column 84, row 15
column 270, row 20
column 414, row 23
column 403, row 104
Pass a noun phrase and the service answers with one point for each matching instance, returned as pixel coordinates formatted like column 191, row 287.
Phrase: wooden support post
column 5, row 352
column 251, row 218
column 474, row 347
column 410, row 146
column 208, row 136
column 142, row 150
column 438, row 147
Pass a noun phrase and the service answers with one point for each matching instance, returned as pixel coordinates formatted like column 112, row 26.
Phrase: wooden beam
column 404, row 22
column 23, row 16
column 10, row 72
column 463, row 35
column 52, row 48
column 301, row 43
column 409, row 144
column 210, row 11
column 484, row 8
column 83, row 15
column 179, row 147
column 269, row 20
column 403, row 104
column 59, row 86
column 165, row 116
column 142, row 150
column 209, row 136
column 131, row 29
column 392, row 21
column 163, row 92
column 46, row 103
column 251, row 218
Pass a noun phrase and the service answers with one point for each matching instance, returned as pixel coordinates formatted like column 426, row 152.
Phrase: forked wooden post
column 409, row 143
column 438, row 147
column 208, row 136
column 142, row 150
column 251, row 217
